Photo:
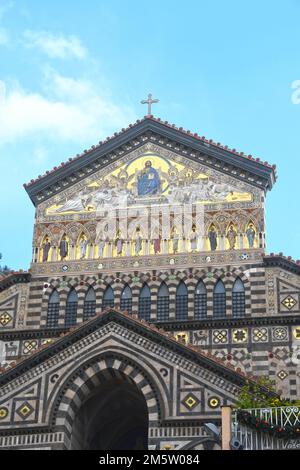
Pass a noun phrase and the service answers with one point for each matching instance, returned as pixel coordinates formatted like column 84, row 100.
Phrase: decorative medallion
column 296, row 332
column 220, row 336
column 65, row 268
column 214, row 402
column 240, row 336
column 25, row 410
column 260, row 335
column 280, row 333
column 5, row 318
column 3, row 412
column 244, row 256
column 289, row 302
column 190, row 401
column 282, row 374
column 182, row 336
column 29, row 346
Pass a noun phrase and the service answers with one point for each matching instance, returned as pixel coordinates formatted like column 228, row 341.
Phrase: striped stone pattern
column 84, row 383
column 253, row 280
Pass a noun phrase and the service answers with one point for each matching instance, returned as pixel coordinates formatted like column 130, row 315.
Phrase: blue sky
column 72, row 73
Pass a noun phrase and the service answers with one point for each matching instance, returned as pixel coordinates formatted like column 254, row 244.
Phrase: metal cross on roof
column 149, row 101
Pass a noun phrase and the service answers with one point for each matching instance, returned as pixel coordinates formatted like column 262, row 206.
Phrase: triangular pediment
column 178, row 381
column 143, row 329
column 214, row 157
column 150, row 176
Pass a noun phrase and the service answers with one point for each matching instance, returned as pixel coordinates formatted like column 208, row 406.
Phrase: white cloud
column 55, row 46
column 71, row 110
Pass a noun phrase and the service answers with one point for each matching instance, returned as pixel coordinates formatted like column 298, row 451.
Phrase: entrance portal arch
column 114, row 417
column 109, row 403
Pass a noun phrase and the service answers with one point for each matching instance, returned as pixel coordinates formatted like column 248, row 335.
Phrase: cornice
column 18, row 277
column 150, row 130
column 210, row 322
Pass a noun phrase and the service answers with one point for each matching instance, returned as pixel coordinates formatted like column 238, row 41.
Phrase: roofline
column 286, row 262
column 15, row 277
column 184, row 137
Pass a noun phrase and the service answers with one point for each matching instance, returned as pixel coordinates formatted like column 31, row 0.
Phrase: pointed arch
column 89, row 307
column 250, row 234
column 181, row 302
column 53, row 310
column 238, row 298
column 71, row 308
column 231, row 241
column 145, row 303
column 219, row 300
column 108, row 298
column 212, row 237
column 82, row 246
column 64, row 247
column 126, row 299
column 45, row 249
column 200, row 301
column 163, row 301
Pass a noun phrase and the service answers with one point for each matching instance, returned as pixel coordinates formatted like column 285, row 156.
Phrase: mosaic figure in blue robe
column 148, row 180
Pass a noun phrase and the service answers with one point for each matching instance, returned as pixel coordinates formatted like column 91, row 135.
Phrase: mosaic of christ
column 148, row 179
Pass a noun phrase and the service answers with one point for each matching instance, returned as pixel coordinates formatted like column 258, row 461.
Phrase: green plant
column 257, row 396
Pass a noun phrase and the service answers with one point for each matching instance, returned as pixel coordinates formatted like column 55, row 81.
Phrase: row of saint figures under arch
column 139, row 245
column 200, row 310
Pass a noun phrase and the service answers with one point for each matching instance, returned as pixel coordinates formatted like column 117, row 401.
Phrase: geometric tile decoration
column 259, row 335
column 5, row 318
column 282, row 374
column 190, row 401
column 282, row 353
column 29, row 346
column 3, row 412
column 289, row 302
column 214, row 402
column 220, row 336
column 46, row 341
column 25, row 410
column 240, row 336
column 280, row 333
column 296, row 332
column 182, row 336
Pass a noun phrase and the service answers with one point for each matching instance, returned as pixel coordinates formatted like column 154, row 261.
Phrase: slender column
column 54, row 254
column 222, row 242
column 91, row 251
column 109, row 249
column 226, row 427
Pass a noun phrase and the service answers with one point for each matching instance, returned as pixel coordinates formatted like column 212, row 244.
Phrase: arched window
column 163, row 303
column 53, row 310
column 71, row 309
column 238, row 298
column 219, row 300
column 200, row 301
column 108, row 298
column 89, row 308
column 126, row 299
column 145, row 303
column 181, row 302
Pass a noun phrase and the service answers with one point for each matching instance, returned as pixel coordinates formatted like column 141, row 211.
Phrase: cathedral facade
column 150, row 299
